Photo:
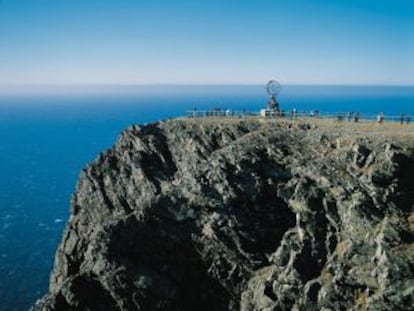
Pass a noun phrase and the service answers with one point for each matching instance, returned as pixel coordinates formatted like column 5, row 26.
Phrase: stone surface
column 240, row 215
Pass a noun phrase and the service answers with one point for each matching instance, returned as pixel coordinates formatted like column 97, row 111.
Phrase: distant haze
column 206, row 42
column 225, row 90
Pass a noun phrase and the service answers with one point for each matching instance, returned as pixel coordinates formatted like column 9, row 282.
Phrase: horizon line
column 14, row 85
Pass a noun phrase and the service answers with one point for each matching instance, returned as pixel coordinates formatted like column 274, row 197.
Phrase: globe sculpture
column 273, row 88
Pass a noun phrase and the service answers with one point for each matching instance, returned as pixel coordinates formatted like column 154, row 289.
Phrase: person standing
column 380, row 118
column 356, row 117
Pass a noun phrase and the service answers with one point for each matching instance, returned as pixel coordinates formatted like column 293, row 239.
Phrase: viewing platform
column 367, row 125
column 265, row 113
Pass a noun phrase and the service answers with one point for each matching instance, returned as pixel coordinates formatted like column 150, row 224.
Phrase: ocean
column 46, row 138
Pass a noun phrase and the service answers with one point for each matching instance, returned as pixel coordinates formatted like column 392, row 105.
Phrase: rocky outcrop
column 240, row 215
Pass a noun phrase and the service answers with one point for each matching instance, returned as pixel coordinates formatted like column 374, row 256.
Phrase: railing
column 221, row 113
column 347, row 117
column 338, row 116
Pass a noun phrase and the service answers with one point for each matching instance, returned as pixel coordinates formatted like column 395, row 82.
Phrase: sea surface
column 47, row 137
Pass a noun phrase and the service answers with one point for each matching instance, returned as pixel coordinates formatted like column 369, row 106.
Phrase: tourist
column 356, row 117
column 350, row 115
column 402, row 117
column 380, row 118
column 408, row 119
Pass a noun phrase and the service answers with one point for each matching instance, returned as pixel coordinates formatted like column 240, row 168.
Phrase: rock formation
column 240, row 215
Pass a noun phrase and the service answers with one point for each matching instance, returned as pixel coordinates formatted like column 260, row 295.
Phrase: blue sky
column 206, row 42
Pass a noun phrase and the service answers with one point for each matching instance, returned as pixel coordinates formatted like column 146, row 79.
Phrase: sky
column 357, row 42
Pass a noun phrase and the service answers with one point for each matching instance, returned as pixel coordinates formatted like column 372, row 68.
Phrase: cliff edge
column 240, row 215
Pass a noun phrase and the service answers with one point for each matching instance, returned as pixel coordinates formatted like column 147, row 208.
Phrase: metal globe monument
column 273, row 89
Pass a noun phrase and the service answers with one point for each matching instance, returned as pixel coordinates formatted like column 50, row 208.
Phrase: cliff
column 240, row 215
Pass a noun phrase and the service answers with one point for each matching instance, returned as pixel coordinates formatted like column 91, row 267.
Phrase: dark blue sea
column 46, row 138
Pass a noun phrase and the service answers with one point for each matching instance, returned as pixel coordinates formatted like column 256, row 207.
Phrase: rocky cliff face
column 239, row 215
